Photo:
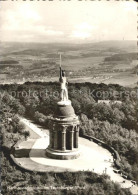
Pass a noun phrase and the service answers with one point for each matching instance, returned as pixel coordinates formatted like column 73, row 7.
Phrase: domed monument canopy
column 64, row 110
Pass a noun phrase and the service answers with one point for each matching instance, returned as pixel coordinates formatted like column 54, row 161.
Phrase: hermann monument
column 65, row 126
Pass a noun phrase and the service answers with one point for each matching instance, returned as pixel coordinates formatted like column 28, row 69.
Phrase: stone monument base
column 65, row 155
column 64, row 133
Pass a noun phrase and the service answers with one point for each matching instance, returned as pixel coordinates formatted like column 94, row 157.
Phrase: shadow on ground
column 24, row 153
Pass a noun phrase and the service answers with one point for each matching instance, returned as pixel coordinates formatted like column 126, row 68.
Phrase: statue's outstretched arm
column 60, row 76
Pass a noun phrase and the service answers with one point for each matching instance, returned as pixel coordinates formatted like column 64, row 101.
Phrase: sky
column 67, row 21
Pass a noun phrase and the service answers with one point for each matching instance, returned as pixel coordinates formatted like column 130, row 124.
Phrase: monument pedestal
column 64, row 133
column 66, row 155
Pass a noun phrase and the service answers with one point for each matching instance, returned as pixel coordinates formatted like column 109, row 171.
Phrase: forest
column 116, row 123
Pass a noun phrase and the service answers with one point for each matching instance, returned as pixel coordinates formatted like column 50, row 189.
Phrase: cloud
column 83, row 31
column 54, row 32
column 68, row 21
column 26, row 12
column 19, row 19
column 80, row 34
column 84, row 26
column 25, row 24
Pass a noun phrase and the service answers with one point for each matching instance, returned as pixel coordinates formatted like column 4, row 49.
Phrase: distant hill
column 11, row 47
column 95, row 60
column 122, row 57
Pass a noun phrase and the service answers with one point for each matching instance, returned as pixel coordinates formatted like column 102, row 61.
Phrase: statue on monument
column 63, row 82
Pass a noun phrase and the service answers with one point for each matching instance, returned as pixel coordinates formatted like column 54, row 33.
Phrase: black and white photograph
column 68, row 97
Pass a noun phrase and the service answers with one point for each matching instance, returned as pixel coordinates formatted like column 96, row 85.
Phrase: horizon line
column 69, row 42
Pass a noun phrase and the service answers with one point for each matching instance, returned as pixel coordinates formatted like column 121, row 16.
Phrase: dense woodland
column 16, row 181
column 114, row 123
